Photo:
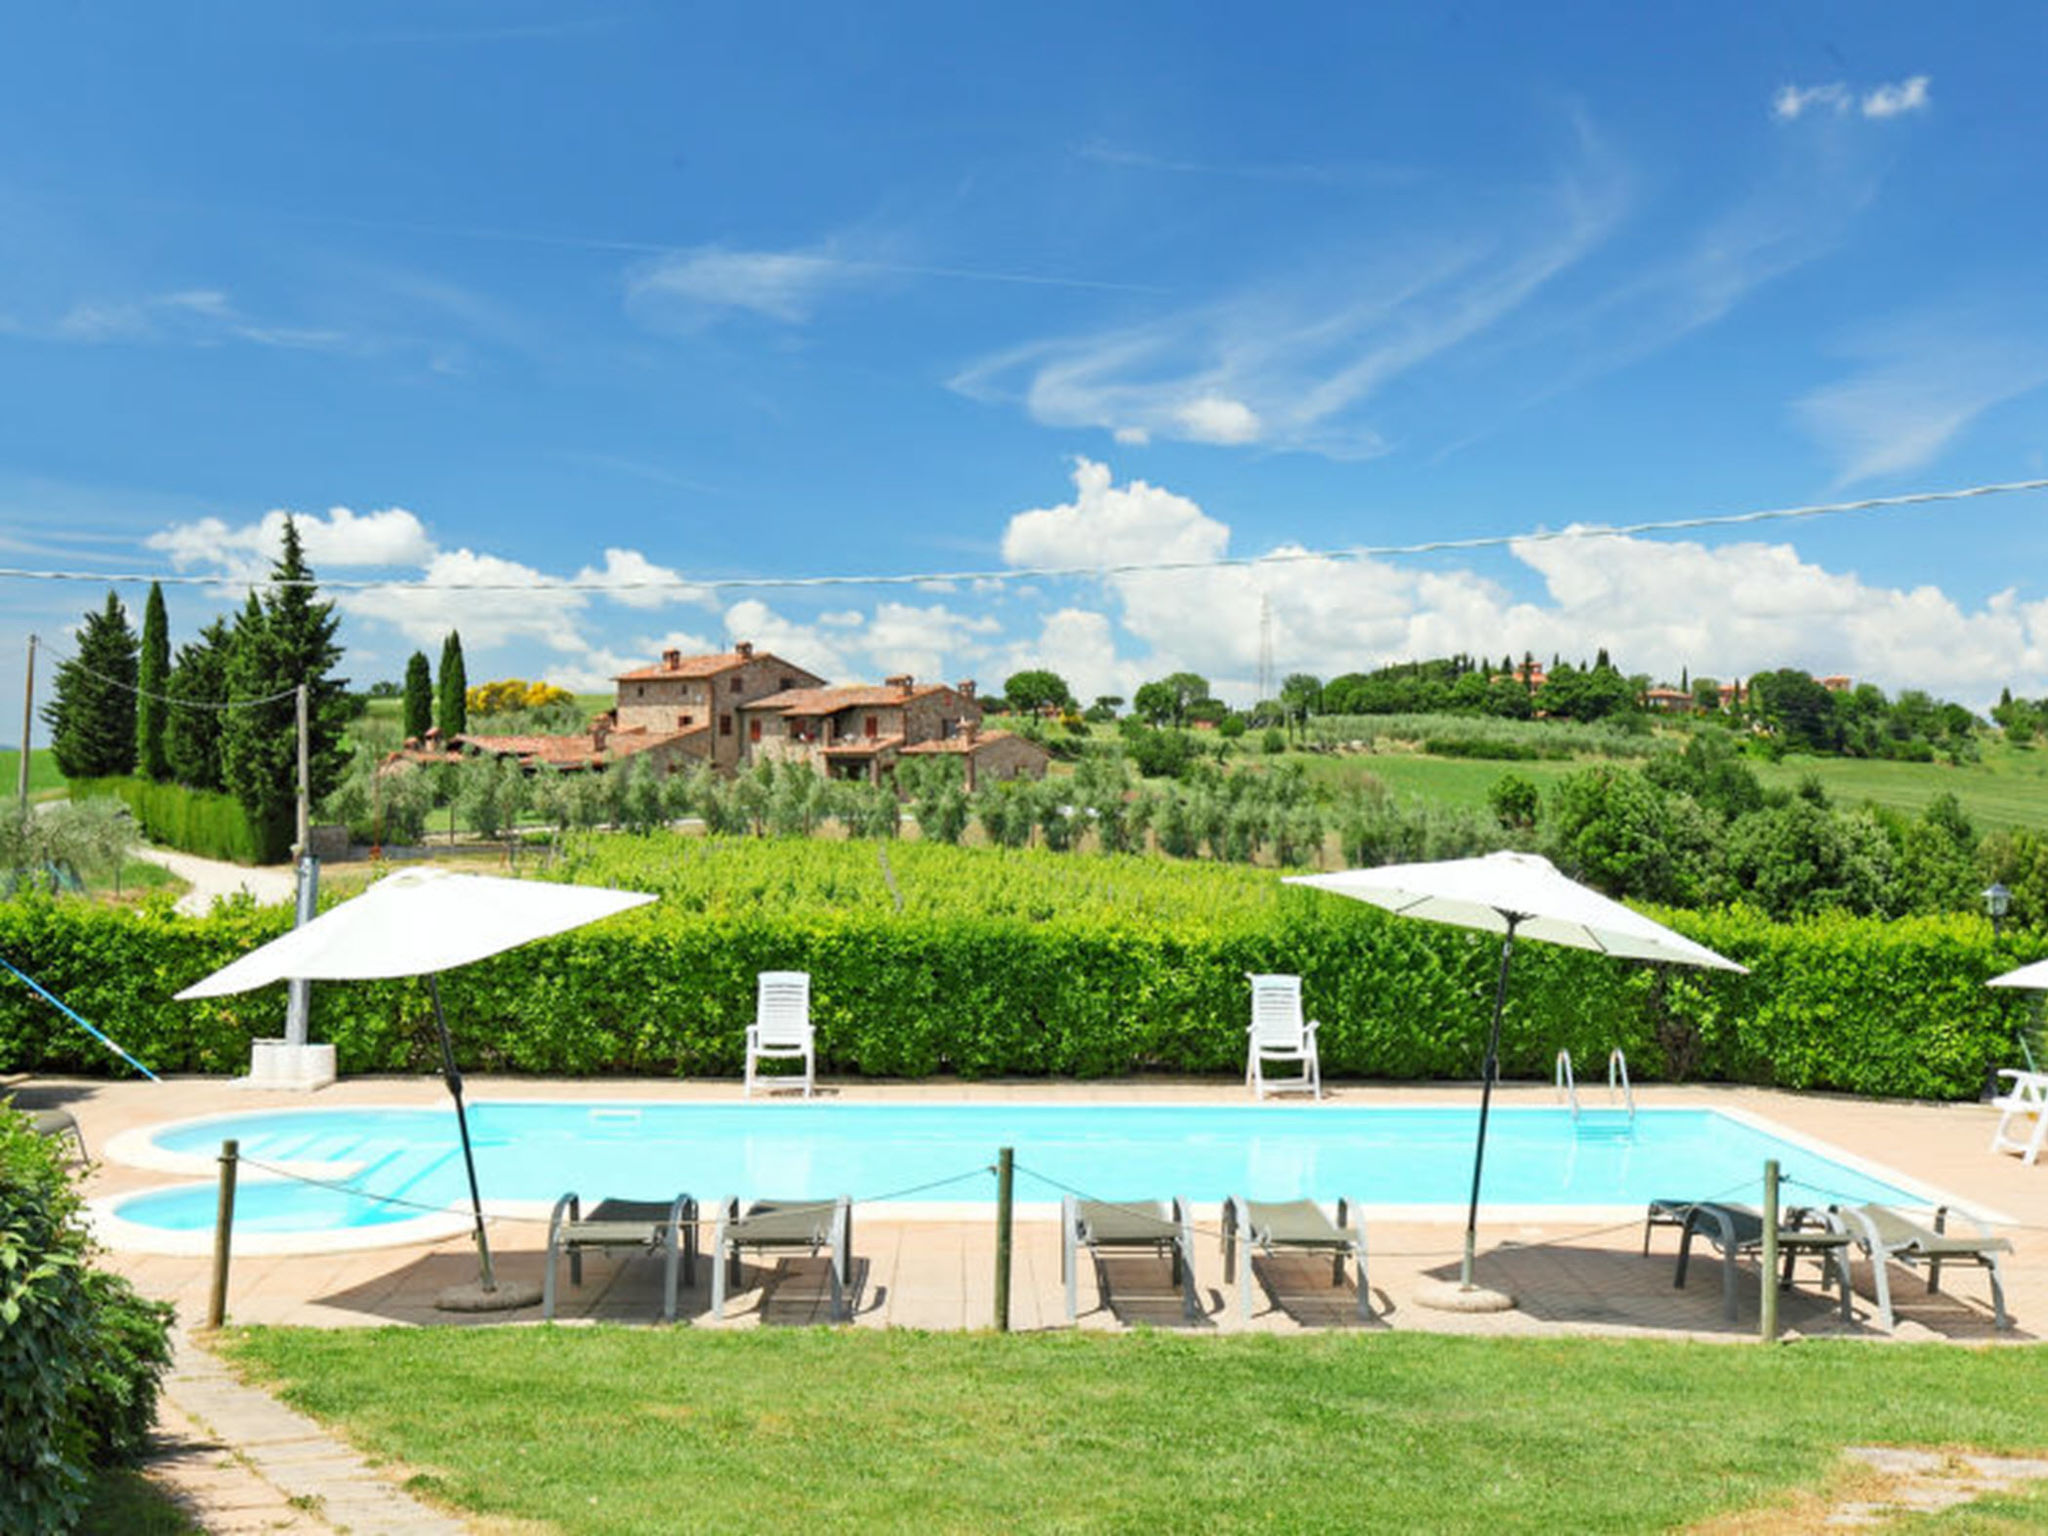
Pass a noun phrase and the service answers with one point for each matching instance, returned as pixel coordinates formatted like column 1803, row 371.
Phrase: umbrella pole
column 454, row 1081
column 1489, row 1072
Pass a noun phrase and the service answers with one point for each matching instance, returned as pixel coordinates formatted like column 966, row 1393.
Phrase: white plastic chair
column 2025, row 1098
column 1279, row 1035
column 782, row 1031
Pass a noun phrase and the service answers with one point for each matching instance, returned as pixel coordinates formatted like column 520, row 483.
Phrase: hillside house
column 862, row 732
column 698, row 699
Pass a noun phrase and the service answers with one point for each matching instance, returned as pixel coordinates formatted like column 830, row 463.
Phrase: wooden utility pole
column 28, row 718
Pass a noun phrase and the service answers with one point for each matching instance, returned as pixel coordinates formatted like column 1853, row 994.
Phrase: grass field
column 44, row 781
column 2009, row 788
column 606, row 1431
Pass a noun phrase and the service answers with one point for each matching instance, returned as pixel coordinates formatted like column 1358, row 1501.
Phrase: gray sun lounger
column 1299, row 1225
column 1738, row 1230
column 1885, row 1235
column 1132, row 1226
column 782, row 1226
column 666, row 1227
column 60, row 1122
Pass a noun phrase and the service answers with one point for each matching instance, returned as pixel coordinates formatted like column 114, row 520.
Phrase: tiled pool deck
column 1567, row 1277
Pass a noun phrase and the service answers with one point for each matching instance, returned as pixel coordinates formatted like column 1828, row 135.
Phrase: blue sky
column 558, row 296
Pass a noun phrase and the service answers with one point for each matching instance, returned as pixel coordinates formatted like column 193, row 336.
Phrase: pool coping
column 136, row 1147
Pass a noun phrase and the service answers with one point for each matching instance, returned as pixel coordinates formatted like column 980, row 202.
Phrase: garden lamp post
column 1998, row 902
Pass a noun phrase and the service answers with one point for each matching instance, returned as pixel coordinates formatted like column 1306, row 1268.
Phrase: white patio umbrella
column 419, row 922
column 2035, row 976
column 1512, row 894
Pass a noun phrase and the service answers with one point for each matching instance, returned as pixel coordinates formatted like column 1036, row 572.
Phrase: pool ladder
column 1618, row 1090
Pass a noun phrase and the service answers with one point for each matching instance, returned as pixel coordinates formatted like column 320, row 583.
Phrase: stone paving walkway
column 241, row 1462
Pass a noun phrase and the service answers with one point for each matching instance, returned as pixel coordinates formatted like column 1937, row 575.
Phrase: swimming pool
column 392, row 1175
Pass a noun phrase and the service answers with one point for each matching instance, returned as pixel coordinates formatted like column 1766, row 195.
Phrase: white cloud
column 640, row 583
column 490, row 600
column 1926, row 380
column 1893, row 100
column 193, row 317
column 1880, row 101
column 1658, row 606
column 1214, row 419
column 1298, row 362
column 342, row 539
column 1794, row 101
column 783, row 285
column 1108, row 525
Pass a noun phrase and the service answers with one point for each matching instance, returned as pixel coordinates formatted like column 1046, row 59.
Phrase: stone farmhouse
column 731, row 710
column 862, row 733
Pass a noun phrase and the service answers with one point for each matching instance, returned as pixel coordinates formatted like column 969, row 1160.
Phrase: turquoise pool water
column 1381, row 1155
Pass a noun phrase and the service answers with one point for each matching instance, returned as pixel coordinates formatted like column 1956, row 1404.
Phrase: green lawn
column 127, row 1504
column 44, row 781
column 608, row 1431
column 2009, row 788
column 1457, row 781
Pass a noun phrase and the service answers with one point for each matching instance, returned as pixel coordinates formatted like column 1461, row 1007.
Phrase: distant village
column 730, row 711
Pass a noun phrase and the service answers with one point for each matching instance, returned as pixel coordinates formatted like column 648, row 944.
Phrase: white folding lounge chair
column 1298, row 1225
column 768, row 1226
column 1885, row 1235
column 782, row 1031
column 668, row 1228
column 1278, row 1034
column 2024, row 1099
column 1154, row 1226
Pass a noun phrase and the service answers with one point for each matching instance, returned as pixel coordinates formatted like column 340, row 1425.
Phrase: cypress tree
column 152, row 680
column 198, row 686
column 91, row 714
column 283, row 639
column 453, row 713
column 419, row 697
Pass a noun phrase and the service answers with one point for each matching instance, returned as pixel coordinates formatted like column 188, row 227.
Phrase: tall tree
column 91, row 714
column 452, row 714
column 419, row 697
column 1033, row 690
column 282, row 640
column 198, row 686
column 152, row 676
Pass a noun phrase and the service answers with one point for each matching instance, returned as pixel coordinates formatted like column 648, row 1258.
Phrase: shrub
column 81, row 1355
column 1023, row 961
column 199, row 821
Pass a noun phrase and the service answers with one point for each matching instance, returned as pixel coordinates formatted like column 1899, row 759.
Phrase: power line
column 1053, row 572
column 166, row 698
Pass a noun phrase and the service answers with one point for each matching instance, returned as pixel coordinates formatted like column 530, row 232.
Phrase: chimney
column 744, row 649
column 901, row 682
column 600, row 731
column 965, row 688
column 673, row 660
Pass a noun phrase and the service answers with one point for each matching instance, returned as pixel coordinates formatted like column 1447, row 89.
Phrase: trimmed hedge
column 199, row 821
column 1003, row 978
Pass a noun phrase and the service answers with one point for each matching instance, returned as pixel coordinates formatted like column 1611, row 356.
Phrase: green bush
column 199, row 821
column 1001, row 961
column 81, row 1355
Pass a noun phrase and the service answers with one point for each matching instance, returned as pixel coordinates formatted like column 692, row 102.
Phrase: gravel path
column 210, row 879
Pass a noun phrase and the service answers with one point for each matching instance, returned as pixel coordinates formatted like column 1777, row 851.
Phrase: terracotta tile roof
column 864, row 746
column 705, row 666
column 826, row 701
column 964, row 747
column 572, row 751
column 626, row 743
